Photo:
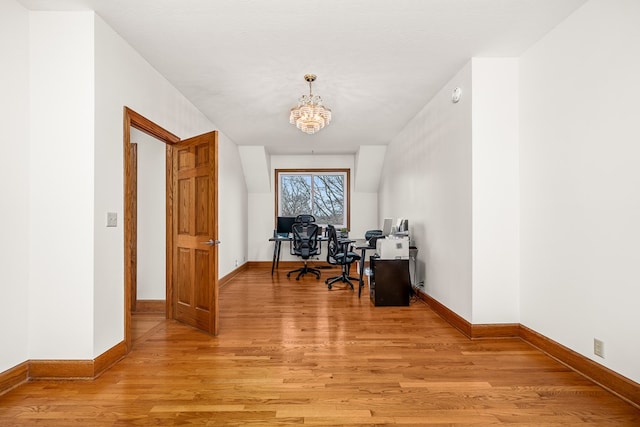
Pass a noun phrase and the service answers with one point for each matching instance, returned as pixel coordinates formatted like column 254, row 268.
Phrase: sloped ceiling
column 378, row 62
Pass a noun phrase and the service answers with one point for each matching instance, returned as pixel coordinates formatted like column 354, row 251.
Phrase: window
column 324, row 193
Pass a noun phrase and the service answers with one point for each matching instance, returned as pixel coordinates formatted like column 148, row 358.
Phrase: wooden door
column 195, row 232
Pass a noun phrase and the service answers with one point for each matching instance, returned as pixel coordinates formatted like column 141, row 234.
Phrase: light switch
column 112, row 219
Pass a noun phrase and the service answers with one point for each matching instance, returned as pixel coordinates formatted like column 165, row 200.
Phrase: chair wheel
column 329, row 286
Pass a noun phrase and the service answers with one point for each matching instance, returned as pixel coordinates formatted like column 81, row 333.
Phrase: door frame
column 137, row 121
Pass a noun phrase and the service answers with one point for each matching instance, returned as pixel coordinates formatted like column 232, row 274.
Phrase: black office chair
column 372, row 233
column 305, row 245
column 305, row 218
column 371, row 236
column 338, row 254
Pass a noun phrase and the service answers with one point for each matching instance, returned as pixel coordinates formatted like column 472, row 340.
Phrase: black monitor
column 284, row 224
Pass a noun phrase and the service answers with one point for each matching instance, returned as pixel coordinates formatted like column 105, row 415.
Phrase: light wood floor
column 293, row 353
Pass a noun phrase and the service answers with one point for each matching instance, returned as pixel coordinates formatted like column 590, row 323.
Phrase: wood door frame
column 133, row 204
column 137, row 121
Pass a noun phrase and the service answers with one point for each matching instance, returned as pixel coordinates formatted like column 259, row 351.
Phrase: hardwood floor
column 144, row 325
column 291, row 352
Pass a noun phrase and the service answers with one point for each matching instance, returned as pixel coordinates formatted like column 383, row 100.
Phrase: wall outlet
column 236, row 263
column 598, row 347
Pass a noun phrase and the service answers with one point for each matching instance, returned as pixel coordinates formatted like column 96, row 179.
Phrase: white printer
column 393, row 247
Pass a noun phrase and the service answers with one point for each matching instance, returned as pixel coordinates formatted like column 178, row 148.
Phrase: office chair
column 305, row 218
column 305, row 245
column 338, row 254
column 371, row 236
column 371, row 233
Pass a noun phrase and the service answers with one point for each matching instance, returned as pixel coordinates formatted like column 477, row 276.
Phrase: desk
column 363, row 246
column 278, row 244
column 276, row 249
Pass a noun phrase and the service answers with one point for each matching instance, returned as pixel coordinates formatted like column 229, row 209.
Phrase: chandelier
column 310, row 115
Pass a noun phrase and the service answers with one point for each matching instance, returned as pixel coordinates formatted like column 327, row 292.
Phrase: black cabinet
column 389, row 283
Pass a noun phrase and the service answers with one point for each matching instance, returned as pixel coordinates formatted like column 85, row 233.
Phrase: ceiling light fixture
column 310, row 115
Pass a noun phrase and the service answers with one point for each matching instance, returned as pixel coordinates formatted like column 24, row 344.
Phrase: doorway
column 176, row 279
column 148, row 193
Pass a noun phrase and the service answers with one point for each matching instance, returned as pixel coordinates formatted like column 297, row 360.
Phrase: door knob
column 211, row 242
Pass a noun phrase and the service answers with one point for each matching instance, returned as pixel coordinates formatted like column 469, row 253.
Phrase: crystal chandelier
column 310, row 115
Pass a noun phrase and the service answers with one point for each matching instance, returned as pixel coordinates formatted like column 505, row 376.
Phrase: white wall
column 233, row 208
column 453, row 172
column 261, row 205
column 123, row 77
column 151, row 225
column 14, row 183
column 61, row 192
column 567, row 236
column 70, row 76
column 495, row 256
column 580, row 182
column 427, row 179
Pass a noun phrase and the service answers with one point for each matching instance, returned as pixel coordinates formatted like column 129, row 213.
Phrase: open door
column 193, row 288
column 191, row 212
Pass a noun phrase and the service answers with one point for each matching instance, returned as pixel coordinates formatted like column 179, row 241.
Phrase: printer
column 393, row 247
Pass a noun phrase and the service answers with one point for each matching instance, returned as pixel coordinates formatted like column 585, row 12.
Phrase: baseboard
column 151, row 306
column 451, row 317
column 227, row 278
column 282, row 265
column 109, row 358
column 500, row 330
column 76, row 369
column 617, row 384
column 287, row 265
column 13, row 377
column 258, row 264
column 61, row 369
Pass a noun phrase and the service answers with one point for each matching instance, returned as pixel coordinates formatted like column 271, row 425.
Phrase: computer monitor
column 284, row 224
column 386, row 226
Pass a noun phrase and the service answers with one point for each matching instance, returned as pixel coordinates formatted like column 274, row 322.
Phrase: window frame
column 309, row 171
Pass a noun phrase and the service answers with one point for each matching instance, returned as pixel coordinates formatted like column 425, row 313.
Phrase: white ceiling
column 242, row 62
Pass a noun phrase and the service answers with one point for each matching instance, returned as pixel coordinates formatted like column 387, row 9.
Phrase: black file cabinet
column 389, row 283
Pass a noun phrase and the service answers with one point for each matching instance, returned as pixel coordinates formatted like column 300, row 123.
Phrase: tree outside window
column 323, row 193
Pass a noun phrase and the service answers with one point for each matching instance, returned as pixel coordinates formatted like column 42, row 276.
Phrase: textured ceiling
column 242, row 62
